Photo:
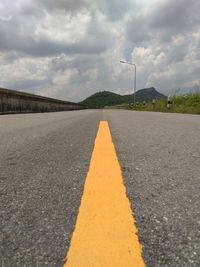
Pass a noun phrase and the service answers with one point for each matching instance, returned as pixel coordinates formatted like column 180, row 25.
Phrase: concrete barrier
column 12, row 101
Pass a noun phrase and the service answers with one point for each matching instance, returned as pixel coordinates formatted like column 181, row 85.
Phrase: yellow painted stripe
column 105, row 234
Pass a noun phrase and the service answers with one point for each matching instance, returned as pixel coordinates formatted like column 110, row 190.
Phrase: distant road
column 44, row 159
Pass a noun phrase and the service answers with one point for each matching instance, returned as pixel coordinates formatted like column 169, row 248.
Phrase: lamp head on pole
column 127, row 62
column 122, row 61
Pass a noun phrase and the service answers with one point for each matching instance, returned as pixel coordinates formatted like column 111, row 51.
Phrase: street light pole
column 133, row 64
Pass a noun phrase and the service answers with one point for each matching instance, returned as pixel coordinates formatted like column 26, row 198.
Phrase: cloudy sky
column 69, row 49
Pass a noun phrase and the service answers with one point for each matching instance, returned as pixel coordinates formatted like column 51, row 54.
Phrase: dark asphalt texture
column 159, row 155
column 44, row 160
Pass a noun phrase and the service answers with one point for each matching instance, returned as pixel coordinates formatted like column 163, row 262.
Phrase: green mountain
column 102, row 99
column 106, row 98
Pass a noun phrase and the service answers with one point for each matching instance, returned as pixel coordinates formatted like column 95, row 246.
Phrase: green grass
column 180, row 104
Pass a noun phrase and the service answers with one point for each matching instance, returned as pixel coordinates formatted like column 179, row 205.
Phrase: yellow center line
column 105, row 234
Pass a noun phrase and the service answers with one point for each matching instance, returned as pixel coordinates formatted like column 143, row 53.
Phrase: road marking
column 105, row 234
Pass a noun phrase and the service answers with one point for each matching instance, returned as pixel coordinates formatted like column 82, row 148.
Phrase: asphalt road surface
column 44, row 159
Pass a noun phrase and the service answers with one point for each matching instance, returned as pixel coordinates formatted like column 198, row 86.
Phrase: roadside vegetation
column 189, row 103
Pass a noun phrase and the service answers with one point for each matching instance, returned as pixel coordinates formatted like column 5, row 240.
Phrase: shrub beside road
column 180, row 104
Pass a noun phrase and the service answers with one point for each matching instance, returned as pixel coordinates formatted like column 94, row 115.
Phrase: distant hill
column 146, row 94
column 106, row 98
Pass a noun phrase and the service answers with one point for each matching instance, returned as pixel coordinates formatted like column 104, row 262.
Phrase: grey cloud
column 114, row 9
column 25, row 84
column 176, row 54
column 171, row 18
column 138, row 30
column 9, row 57
column 81, row 63
column 179, row 14
column 31, row 9
column 67, row 5
column 198, row 52
column 46, row 47
column 168, row 19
